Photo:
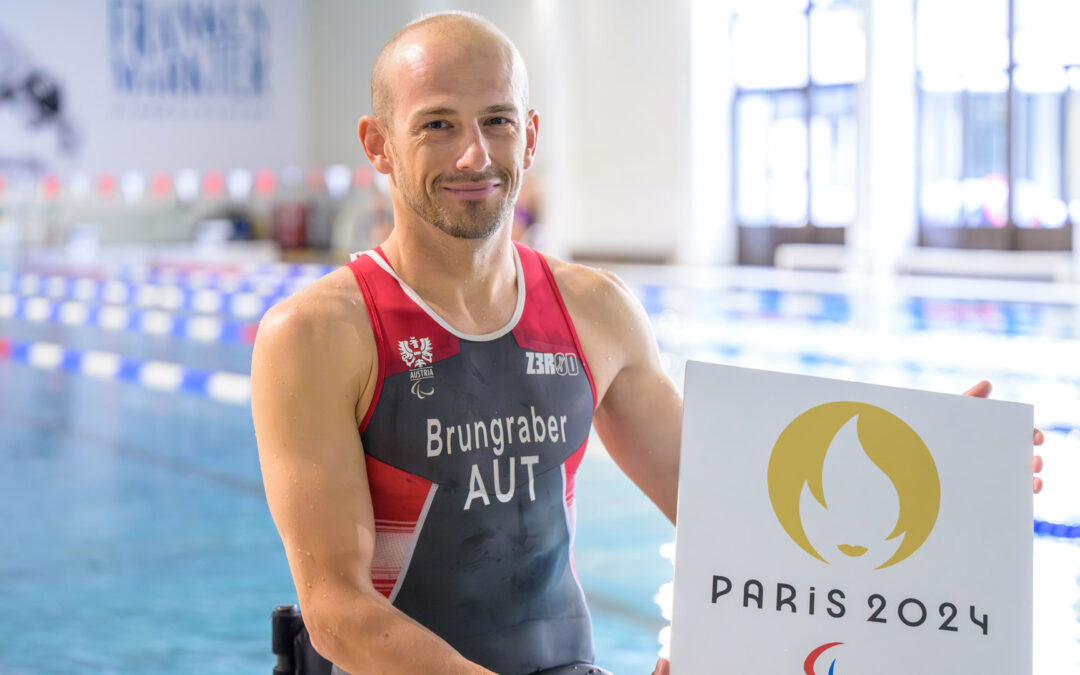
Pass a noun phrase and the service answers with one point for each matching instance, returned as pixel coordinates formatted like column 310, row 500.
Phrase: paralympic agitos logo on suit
column 795, row 479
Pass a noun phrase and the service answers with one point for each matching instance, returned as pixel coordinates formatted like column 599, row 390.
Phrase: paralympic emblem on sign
column 798, row 461
column 810, row 664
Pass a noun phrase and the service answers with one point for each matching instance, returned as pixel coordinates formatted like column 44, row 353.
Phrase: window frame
column 1010, row 236
column 757, row 243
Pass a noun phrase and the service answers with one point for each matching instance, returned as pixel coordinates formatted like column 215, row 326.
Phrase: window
column 997, row 109
column 795, row 65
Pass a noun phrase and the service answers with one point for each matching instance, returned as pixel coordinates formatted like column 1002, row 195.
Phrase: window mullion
column 808, row 117
column 1010, row 173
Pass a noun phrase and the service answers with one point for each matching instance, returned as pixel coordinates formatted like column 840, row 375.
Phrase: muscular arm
column 313, row 362
column 639, row 410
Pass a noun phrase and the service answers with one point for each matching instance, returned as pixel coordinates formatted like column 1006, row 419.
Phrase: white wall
column 710, row 239
column 625, row 159
column 343, row 39
column 886, row 224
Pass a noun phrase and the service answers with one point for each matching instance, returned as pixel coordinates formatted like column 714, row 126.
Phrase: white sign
column 830, row 527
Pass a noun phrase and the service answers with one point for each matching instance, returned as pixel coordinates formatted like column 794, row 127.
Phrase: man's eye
column 437, row 124
column 499, row 120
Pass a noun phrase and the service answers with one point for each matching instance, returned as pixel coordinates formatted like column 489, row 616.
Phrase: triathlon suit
column 472, row 443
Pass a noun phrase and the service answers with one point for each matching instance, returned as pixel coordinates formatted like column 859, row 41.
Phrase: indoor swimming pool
column 138, row 535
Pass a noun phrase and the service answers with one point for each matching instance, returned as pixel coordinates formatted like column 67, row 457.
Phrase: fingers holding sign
column 982, row 390
column 1037, row 463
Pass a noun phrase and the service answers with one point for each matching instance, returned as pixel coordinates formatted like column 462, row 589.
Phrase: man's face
column 459, row 136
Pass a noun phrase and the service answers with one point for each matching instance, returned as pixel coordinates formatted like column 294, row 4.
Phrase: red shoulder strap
column 362, row 267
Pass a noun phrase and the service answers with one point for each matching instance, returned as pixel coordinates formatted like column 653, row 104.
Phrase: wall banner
column 151, row 85
column 190, row 57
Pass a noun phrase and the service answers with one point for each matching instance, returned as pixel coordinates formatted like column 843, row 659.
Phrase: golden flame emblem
column 798, row 459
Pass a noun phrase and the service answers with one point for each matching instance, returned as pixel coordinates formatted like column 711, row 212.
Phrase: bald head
column 453, row 35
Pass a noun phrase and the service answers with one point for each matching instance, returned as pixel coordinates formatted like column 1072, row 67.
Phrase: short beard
column 479, row 220
column 484, row 224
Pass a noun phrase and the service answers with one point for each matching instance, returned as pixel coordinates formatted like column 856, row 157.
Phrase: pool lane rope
column 165, row 376
column 172, row 270
column 242, row 304
column 260, row 283
column 200, row 327
column 1060, row 530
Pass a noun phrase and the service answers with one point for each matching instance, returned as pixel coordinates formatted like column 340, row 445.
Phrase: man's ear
column 373, row 137
column 532, row 129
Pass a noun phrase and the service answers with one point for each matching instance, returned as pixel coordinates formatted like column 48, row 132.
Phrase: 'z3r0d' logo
column 416, row 354
column 546, row 363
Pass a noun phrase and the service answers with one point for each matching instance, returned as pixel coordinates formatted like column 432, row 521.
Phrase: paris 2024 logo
column 798, row 463
column 861, row 466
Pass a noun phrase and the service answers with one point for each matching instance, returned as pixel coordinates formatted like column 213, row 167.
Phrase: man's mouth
column 480, row 190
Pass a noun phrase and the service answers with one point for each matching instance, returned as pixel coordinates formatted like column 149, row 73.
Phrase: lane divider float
column 200, row 327
column 224, row 386
column 168, row 298
column 113, row 292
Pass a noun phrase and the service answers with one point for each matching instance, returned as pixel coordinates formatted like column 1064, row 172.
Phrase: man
column 420, row 413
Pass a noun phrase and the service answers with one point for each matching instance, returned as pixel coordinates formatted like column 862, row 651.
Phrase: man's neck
column 471, row 283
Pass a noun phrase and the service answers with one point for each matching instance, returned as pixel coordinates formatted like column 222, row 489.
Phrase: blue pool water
column 141, row 539
column 140, row 542
column 137, row 538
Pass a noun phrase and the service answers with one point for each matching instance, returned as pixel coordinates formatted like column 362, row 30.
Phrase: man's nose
column 474, row 156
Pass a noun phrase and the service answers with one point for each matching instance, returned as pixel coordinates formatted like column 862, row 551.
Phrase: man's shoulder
column 612, row 325
column 592, row 291
column 326, row 314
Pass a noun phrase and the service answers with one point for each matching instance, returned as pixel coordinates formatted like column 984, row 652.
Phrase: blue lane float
column 195, row 273
column 199, row 327
column 223, row 271
column 739, row 303
column 87, row 284
column 997, row 317
column 1060, row 530
column 227, row 387
column 174, row 297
